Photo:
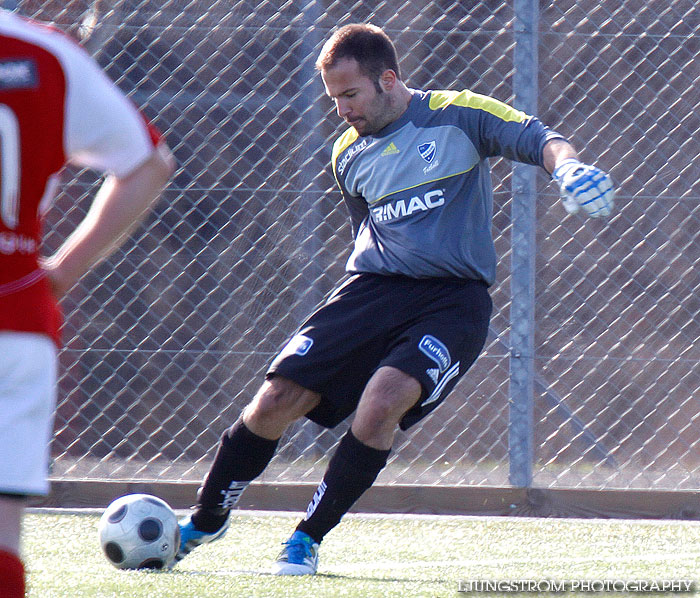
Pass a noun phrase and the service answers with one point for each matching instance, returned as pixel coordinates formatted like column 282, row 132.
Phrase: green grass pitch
column 367, row 557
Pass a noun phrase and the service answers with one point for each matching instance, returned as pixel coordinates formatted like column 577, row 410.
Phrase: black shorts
column 432, row 329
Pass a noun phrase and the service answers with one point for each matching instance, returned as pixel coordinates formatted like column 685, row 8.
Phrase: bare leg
column 279, row 402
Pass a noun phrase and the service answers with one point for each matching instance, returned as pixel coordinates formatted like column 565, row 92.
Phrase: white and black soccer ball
column 139, row 531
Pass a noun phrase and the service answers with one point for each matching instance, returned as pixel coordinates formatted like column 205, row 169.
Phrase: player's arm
column 357, row 209
column 119, row 206
column 104, row 131
column 356, row 205
column 555, row 152
column 504, row 131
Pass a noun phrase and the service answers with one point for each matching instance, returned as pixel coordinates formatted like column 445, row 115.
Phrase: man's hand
column 584, row 186
column 59, row 280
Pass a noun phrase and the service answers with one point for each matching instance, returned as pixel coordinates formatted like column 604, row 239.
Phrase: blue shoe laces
column 298, row 547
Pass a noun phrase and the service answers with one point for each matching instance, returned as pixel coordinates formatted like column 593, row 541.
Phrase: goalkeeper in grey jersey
column 389, row 343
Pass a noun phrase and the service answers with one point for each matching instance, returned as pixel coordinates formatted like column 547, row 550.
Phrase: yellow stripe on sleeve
column 467, row 99
column 342, row 143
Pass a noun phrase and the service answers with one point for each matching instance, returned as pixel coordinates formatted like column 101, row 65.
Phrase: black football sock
column 241, row 457
column 351, row 471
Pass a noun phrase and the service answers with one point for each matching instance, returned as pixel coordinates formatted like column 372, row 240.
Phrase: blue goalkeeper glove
column 584, row 186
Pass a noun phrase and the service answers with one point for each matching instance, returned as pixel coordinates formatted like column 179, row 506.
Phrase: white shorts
column 28, row 364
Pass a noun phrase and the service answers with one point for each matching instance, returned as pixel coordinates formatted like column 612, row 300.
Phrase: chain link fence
column 167, row 341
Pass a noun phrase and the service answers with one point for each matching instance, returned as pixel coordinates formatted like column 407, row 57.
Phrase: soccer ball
column 139, row 531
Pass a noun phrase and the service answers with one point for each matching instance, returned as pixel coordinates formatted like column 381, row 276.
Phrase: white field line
column 404, row 516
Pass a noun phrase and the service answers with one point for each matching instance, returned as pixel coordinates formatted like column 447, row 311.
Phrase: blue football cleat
column 298, row 557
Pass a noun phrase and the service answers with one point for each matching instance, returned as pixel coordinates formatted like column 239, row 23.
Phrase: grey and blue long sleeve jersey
column 419, row 192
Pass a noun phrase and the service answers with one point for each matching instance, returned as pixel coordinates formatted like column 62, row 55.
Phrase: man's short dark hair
column 365, row 43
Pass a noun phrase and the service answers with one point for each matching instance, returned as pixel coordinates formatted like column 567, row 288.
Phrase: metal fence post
column 522, row 311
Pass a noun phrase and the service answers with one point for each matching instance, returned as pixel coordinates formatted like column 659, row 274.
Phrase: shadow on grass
column 345, row 577
column 328, row 576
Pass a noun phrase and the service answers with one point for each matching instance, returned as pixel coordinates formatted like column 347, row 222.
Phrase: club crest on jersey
column 18, row 74
column 428, row 151
column 436, row 350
